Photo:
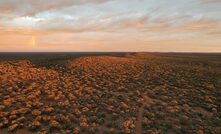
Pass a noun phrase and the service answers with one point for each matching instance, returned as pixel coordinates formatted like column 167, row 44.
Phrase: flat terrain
column 92, row 93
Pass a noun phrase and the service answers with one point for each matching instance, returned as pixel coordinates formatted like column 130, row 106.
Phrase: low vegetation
column 136, row 93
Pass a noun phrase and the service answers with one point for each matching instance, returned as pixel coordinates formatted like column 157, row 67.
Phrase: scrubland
column 149, row 93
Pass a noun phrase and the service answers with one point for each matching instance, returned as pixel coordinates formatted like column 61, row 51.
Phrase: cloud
column 210, row 1
column 6, row 10
column 22, row 31
column 215, row 34
column 108, row 21
column 122, row 23
column 30, row 8
column 196, row 26
column 93, row 24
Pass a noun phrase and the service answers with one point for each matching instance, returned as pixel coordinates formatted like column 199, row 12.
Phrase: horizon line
column 104, row 52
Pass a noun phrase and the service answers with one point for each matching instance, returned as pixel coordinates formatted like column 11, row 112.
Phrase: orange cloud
column 202, row 26
column 215, row 34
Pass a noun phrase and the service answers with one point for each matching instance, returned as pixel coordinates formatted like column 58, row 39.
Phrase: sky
column 110, row 25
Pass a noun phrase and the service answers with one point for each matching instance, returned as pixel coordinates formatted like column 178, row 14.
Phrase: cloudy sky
column 110, row 25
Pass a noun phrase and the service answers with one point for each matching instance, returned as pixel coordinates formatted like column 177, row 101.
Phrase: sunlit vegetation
column 143, row 93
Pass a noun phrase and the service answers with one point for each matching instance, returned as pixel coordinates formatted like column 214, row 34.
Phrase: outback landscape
column 110, row 67
column 108, row 93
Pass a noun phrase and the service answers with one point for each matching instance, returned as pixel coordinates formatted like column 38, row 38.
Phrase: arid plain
column 108, row 93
